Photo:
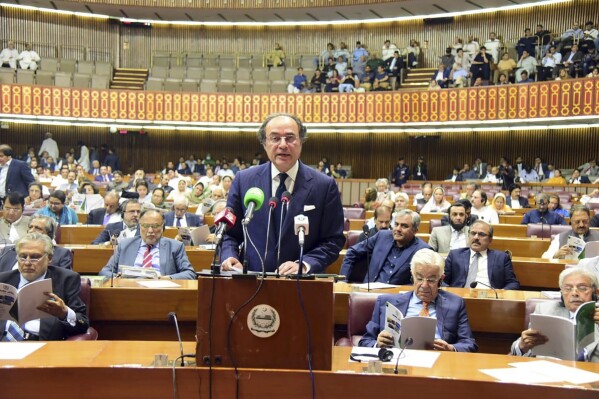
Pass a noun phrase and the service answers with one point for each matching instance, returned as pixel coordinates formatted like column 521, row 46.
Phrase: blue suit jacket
column 192, row 220
column 379, row 245
column 62, row 257
column 111, row 230
column 18, row 178
column 325, row 239
column 452, row 319
column 173, row 258
column 499, row 266
column 549, row 217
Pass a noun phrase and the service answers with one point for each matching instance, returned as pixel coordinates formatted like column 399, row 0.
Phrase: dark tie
column 282, row 188
column 472, row 270
column 178, row 222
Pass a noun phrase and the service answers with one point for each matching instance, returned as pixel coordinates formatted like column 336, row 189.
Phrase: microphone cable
column 307, row 320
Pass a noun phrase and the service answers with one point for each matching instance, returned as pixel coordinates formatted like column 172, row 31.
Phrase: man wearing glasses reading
column 151, row 250
column 453, row 330
column 314, row 195
column 478, row 263
column 65, row 310
column 577, row 286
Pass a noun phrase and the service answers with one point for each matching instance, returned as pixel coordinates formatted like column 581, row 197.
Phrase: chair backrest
column 352, row 237
column 85, row 294
column 539, row 230
column 361, row 306
column 434, row 223
column 530, row 306
column 353, row 213
column 559, row 228
column 591, row 249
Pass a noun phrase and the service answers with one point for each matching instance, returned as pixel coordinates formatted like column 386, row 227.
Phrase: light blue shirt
column 414, row 308
column 155, row 255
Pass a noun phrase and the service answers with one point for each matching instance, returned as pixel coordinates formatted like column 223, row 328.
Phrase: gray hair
column 428, row 257
column 50, row 224
column 36, row 237
column 541, row 196
column 579, row 271
column 383, row 181
column 478, row 221
column 414, row 215
column 303, row 133
column 181, row 201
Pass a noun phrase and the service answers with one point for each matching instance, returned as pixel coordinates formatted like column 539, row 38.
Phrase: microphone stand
column 409, row 341
column 284, row 206
column 366, row 231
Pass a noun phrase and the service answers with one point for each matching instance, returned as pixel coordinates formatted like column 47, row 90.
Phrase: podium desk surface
column 122, row 369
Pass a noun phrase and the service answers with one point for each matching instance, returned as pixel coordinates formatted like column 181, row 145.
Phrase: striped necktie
column 13, row 333
column 147, row 259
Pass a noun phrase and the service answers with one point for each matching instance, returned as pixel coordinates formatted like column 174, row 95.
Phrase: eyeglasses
column 151, row 226
column 56, row 203
column 12, row 210
column 33, row 259
column 290, row 139
column 477, row 233
column 583, row 289
column 430, row 280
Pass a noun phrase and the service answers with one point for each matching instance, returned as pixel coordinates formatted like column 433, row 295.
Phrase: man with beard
column 454, row 236
column 480, row 264
column 470, row 218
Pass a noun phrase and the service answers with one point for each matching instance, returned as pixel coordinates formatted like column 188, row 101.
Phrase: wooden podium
column 276, row 312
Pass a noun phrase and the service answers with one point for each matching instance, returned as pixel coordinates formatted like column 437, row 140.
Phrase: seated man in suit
column 179, row 217
column 577, row 286
column 480, row 264
column 127, row 228
column 382, row 221
column 151, row 250
column 62, row 257
column 580, row 220
column 515, row 200
column 455, row 235
column 542, row 214
column 65, row 309
column 13, row 224
column 577, row 178
column 453, row 330
column 104, row 176
column 109, row 214
column 391, row 251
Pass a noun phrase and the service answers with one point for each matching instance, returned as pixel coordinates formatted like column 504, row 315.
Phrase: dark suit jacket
column 459, row 177
column 66, row 284
column 499, row 266
column 452, row 319
column 101, row 178
column 522, row 200
column 62, row 257
column 192, row 220
column 583, row 180
column 325, row 214
column 96, row 216
column 111, row 230
column 379, row 246
column 18, row 178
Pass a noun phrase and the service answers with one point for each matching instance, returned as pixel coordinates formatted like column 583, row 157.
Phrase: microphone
column 253, row 200
column 285, row 198
column 272, row 204
column 408, row 342
column 475, row 283
column 173, row 316
column 225, row 219
column 301, row 226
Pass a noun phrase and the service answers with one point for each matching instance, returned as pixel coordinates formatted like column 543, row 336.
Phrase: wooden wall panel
column 50, row 30
column 370, row 155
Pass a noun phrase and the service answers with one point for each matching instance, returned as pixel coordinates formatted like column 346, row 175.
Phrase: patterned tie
column 472, row 270
column 147, row 259
column 13, row 332
column 424, row 311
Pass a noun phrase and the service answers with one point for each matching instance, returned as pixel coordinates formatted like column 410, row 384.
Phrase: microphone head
column 473, row 284
column 301, row 221
column 171, row 315
column 365, row 229
column 286, row 196
column 272, row 202
column 254, row 195
column 408, row 342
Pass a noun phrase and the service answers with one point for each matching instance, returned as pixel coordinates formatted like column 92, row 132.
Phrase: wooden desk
column 532, row 247
column 82, row 234
column 118, row 369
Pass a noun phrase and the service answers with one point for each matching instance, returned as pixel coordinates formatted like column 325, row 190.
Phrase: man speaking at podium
column 313, row 194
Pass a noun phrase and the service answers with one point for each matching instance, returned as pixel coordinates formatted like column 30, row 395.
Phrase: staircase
column 129, row 79
column 418, row 78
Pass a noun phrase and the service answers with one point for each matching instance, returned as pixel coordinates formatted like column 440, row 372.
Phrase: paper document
column 577, row 245
column 519, row 376
column 393, row 318
column 199, row 235
column 8, row 297
column 138, row 272
column 30, row 297
column 421, row 330
column 558, row 372
column 158, row 284
column 566, row 337
column 552, row 294
column 18, row 350
column 374, row 286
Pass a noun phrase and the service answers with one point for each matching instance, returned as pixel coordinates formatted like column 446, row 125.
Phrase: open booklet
column 30, row 297
column 420, row 329
column 577, row 245
column 566, row 337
